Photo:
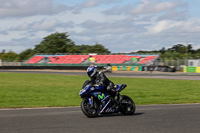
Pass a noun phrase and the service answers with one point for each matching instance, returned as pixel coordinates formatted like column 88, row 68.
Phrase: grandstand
column 67, row 59
column 85, row 59
column 35, row 59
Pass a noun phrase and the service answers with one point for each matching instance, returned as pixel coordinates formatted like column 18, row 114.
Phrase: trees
column 10, row 56
column 179, row 51
column 97, row 48
column 60, row 43
column 55, row 43
column 180, row 48
column 24, row 55
column 83, row 48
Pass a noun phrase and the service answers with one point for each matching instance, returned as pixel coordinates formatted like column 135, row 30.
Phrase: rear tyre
column 127, row 106
column 87, row 109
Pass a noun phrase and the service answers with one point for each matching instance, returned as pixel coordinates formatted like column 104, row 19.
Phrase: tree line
column 57, row 43
column 54, row 44
column 179, row 51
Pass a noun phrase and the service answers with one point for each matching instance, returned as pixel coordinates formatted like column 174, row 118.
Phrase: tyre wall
column 144, row 68
column 191, row 69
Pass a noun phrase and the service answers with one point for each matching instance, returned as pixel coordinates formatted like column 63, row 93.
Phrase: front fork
column 118, row 98
column 91, row 101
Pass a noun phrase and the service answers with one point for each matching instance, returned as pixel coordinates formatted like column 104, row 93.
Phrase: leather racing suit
column 101, row 79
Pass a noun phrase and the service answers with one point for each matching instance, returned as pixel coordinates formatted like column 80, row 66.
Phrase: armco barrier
column 191, row 69
column 197, row 69
column 144, row 68
column 124, row 68
column 132, row 68
column 114, row 68
column 120, row 68
column 136, row 68
column 185, row 69
column 127, row 68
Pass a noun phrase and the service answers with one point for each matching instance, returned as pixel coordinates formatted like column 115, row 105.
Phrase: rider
column 99, row 78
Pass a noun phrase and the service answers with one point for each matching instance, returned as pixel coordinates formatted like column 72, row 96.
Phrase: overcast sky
column 120, row 25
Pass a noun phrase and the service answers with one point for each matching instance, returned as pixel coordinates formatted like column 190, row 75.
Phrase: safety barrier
column 127, row 68
column 144, row 68
column 198, row 69
column 191, row 69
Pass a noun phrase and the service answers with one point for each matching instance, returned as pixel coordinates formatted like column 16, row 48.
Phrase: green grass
column 43, row 90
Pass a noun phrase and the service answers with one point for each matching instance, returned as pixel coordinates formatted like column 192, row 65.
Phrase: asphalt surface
column 183, row 118
column 155, row 75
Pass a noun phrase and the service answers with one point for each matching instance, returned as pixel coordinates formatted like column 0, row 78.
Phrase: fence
column 178, row 63
column 10, row 63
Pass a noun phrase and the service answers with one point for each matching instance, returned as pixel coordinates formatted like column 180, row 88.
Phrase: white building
column 194, row 63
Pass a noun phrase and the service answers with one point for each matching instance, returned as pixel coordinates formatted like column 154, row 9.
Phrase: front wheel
column 127, row 106
column 87, row 109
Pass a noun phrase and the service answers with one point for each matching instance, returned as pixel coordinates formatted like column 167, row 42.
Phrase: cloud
column 115, row 35
column 47, row 25
column 113, row 27
column 77, row 8
column 95, row 3
column 190, row 26
column 3, row 32
column 22, row 8
column 118, row 25
column 19, row 44
column 163, row 25
column 174, row 15
column 146, row 7
column 128, row 34
column 90, row 3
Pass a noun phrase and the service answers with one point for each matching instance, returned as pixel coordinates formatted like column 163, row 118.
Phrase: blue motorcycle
column 96, row 100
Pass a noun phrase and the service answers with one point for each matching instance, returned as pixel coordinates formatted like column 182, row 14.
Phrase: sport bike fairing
column 103, row 96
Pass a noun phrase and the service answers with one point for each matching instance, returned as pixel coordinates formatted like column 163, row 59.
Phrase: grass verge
column 44, row 90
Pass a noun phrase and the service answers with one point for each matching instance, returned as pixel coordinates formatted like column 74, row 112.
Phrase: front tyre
column 87, row 109
column 127, row 106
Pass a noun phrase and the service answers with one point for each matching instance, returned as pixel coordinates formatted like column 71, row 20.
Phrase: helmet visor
column 92, row 73
column 89, row 73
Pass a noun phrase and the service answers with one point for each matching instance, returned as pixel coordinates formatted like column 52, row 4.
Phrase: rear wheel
column 127, row 105
column 87, row 109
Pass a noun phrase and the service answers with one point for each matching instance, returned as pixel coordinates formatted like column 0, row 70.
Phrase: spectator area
column 67, row 59
column 147, row 59
column 35, row 59
column 97, row 59
column 113, row 59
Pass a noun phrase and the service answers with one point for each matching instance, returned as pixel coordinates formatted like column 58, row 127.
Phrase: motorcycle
column 96, row 101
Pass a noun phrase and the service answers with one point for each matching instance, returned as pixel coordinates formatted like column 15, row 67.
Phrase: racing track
column 178, row 118
column 157, row 75
column 183, row 118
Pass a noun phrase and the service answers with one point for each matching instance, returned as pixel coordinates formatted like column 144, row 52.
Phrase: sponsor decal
column 110, row 110
column 101, row 96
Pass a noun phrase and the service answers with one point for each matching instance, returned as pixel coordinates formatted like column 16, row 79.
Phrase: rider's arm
column 103, row 79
